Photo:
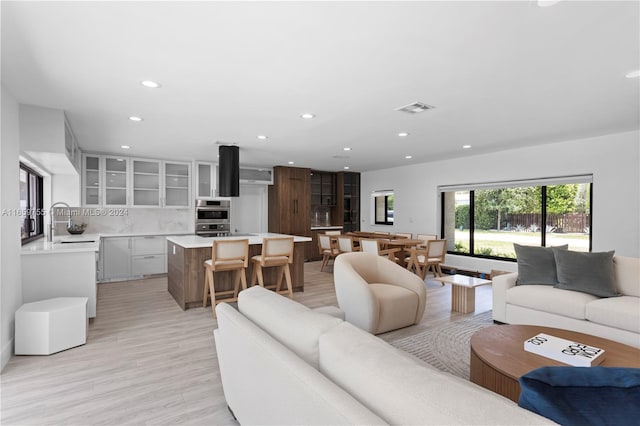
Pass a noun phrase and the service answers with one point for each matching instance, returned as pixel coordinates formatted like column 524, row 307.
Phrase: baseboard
column 7, row 352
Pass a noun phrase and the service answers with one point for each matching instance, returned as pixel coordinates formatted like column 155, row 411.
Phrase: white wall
column 10, row 279
column 614, row 161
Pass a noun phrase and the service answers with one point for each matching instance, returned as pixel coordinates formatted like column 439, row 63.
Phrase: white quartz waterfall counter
column 65, row 267
column 195, row 241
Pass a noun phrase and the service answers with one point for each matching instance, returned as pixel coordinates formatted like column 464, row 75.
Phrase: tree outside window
column 383, row 209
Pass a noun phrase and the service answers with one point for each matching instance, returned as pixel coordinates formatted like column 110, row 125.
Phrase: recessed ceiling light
column 120, row 159
column 150, row 84
column 346, row 167
column 307, row 115
column 262, row 137
column 125, row 146
column 547, row 3
column 408, row 157
column 466, row 146
column 134, row 118
column 291, row 162
column 346, row 148
column 633, row 74
column 403, row 134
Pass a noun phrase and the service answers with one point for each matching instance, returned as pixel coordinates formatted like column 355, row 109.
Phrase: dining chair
column 425, row 238
column 334, row 232
column 430, row 257
column 328, row 250
column 374, row 245
column 226, row 255
column 346, row 244
column 276, row 252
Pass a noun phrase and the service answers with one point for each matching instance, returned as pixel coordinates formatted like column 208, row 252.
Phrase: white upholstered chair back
column 325, row 242
column 277, row 247
column 345, row 244
column 436, row 249
column 223, row 250
column 369, row 245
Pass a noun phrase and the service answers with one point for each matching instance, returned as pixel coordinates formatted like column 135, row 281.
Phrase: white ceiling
column 501, row 75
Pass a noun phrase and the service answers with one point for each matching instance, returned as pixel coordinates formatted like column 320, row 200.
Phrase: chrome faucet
column 52, row 221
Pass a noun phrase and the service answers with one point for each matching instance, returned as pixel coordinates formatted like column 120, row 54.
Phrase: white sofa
column 614, row 318
column 282, row 363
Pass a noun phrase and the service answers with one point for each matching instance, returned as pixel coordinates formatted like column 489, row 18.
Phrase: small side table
column 463, row 291
column 52, row 325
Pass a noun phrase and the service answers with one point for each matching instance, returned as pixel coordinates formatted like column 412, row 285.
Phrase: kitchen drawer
column 148, row 245
column 150, row 264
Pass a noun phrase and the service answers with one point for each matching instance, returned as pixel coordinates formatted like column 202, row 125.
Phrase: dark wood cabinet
column 349, row 200
column 289, row 201
column 323, row 188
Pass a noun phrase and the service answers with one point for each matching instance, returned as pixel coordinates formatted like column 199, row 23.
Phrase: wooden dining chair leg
column 260, row 276
column 439, row 270
column 206, row 288
column 287, row 274
column 280, row 277
column 325, row 260
column 243, row 278
column 254, row 274
column 212, row 290
column 236, row 280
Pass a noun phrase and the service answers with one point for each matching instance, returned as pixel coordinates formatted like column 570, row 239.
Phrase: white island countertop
column 195, row 241
column 63, row 244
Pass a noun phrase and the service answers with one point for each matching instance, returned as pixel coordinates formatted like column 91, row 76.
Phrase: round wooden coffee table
column 498, row 358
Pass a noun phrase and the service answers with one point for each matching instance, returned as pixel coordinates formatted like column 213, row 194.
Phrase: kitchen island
column 186, row 255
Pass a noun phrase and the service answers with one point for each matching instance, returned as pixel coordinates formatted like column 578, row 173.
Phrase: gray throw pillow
column 586, row 272
column 536, row 265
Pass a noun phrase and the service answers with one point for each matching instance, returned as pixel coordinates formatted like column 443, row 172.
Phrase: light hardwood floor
column 148, row 362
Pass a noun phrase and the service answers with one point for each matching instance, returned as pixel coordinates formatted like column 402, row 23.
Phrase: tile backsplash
column 129, row 220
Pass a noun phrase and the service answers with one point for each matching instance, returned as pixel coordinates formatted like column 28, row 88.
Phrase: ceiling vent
column 415, row 108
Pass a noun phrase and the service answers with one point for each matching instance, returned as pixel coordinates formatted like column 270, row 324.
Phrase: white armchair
column 377, row 295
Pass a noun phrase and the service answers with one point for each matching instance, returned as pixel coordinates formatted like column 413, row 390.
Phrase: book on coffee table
column 566, row 351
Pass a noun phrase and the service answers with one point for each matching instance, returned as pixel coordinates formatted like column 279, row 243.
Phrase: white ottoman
column 49, row 326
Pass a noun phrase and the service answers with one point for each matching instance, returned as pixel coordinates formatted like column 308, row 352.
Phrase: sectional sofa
column 283, row 363
column 615, row 318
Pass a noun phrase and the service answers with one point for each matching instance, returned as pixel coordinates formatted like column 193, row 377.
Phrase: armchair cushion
column 397, row 306
column 583, row 395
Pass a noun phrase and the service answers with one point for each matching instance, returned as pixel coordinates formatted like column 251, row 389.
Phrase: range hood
column 229, row 171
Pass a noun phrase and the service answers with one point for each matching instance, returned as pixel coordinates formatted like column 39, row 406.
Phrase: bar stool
column 226, row 255
column 275, row 252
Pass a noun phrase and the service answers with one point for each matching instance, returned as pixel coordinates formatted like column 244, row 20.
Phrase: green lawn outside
column 500, row 243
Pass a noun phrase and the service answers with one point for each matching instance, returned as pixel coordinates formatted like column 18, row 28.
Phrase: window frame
column 378, row 195
column 33, row 214
column 542, row 183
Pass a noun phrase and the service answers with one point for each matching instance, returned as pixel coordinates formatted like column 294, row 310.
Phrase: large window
column 485, row 220
column 383, row 207
column 31, row 206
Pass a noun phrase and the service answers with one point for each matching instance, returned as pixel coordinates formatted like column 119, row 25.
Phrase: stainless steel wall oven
column 213, row 218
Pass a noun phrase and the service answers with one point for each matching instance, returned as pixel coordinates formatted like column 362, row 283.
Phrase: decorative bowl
column 76, row 229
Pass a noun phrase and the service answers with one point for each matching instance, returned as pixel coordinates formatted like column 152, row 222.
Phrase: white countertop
column 63, row 244
column 315, row 228
column 195, row 241
column 141, row 234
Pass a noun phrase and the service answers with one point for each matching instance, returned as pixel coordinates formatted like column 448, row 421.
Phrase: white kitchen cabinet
column 177, row 184
column 91, row 180
column 133, row 257
column 205, row 179
column 146, row 183
column 116, row 258
column 116, row 181
column 148, row 255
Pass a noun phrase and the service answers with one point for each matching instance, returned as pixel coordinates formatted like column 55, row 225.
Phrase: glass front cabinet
column 121, row 181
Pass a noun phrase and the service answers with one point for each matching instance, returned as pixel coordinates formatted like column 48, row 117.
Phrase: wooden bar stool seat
column 226, row 255
column 276, row 252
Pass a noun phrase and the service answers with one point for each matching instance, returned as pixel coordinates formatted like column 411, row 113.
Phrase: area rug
column 446, row 347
